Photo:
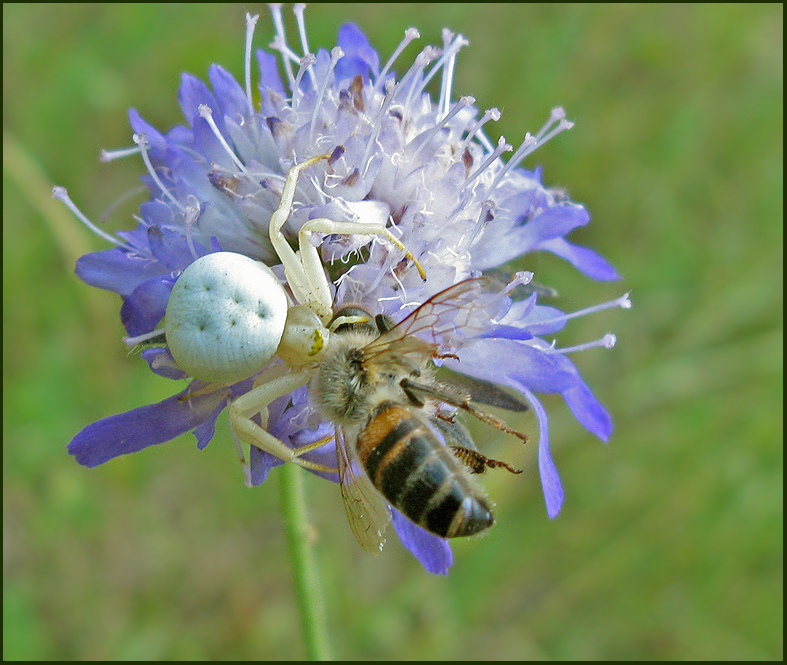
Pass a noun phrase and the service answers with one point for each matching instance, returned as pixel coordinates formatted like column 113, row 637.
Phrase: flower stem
column 307, row 582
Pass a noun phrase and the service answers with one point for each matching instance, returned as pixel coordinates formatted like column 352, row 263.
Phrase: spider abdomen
column 225, row 317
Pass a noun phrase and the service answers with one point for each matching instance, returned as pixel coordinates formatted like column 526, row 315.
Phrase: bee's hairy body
column 388, row 426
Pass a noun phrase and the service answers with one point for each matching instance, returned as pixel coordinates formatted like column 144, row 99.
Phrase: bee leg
column 479, row 463
column 413, row 397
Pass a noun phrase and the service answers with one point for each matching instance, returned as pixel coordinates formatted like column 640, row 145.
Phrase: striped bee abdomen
column 419, row 475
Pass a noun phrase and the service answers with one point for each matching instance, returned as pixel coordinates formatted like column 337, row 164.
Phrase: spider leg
column 309, row 286
column 311, row 258
column 255, row 402
column 304, row 269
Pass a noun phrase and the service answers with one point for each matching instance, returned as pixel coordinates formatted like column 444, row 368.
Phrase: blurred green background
column 670, row 542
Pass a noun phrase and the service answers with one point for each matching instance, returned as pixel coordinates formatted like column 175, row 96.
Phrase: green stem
column 307, row 581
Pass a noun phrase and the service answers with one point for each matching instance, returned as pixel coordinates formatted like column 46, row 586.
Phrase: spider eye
column 353, row 319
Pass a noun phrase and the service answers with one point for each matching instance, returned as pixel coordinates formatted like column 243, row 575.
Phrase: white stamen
column 288, row 56
column 489, row 114
column 336, row 55
column 481, row 222
column 623, row 302
column 526, row 147
column 206, row 112
column 305, row 65
column 280, row 42
column 251, row 22
column 502, row 147
column 521, row 278
column 448, row 53
column 424, row 137
column 465, row 194
column 142, row 142
column 110, row 155
column 607, row 341
column 531, row 143
column 62, row 194
column 447, row 83
column 483, row 139
column 562, row 126
column 409, row 35
column 419, row 65
column 298, row 9
column 131, row 342
column 556, row 114
column 377, row 124
column 190, row 216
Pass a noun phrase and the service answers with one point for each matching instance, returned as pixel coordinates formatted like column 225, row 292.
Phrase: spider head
column 304, row 338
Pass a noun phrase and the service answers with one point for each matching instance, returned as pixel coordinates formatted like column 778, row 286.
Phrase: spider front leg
column 310, row 257
column 306, row 278
column 255, row 402
column 304, row 269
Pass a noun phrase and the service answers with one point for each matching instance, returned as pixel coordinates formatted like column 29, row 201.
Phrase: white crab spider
column 228, row 315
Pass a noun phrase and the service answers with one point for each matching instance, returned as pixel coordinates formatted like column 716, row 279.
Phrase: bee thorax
column 342, row 387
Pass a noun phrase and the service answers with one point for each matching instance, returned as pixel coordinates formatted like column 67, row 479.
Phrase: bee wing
column 367, row 510
column 456, row 308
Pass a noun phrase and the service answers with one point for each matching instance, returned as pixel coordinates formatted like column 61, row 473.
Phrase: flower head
column 397, row 157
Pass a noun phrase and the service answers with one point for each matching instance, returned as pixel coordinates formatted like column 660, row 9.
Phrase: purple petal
column 509, row 332
column 269, row 73
column 545, row 320
column 550, row 480
column 161, row 362
column 194, row 92
column 171, row 248
column 207, row 144
column 589, row 411
column 158, row 144
column 261, row 464
column 179, row 136
column 433, row 552
column 498, row 359
column 157, row 213
column 230, row 96
column 205, row 431
column 554, row 222
column 144, row 307
column 583, row 259
column 359, row 56
column 585, row 407
column 145, row 426
column 116, row 270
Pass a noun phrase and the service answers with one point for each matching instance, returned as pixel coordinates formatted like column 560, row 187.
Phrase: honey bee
column 397, row 443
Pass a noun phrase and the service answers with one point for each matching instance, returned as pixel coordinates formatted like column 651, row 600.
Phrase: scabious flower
column 423, row 166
